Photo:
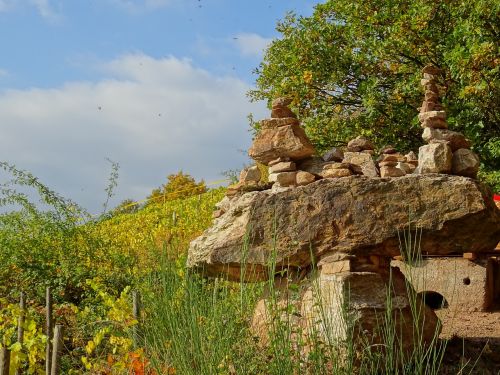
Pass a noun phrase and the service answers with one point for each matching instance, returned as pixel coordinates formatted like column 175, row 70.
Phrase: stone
column 336, row 173
column 435, row 158
column 369, row 152
column 359, row 144
column 388, row 150
column 429, row 105
column 457, row 140
column 432, row 87
column 285, row 166
column 334, row 154
column 281, row 102
column 431, row 69
column 390, row 157
column 336, row 166
column 304, row 178
column 284, row 112
column 465, row 163
column 217, row 213
column 273, row 123
column 356, row 215
column 432, row 115
column 436, row 123
column 234, row 189
column 251, row 174
column 285, row 179
column 286, row 141
column 411, row 156
column 349, row 307
column 276, row 161
column 405, row 167
column 446, row 276
column 386, row 171
column 313, row 165
column 388, row 163
column 363, row 161
column 431, row 96
column 273, row 177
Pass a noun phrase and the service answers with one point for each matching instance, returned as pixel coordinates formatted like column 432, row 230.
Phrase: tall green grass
column 202, row 326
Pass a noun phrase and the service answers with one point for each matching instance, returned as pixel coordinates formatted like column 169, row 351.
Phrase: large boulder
column 355, row 215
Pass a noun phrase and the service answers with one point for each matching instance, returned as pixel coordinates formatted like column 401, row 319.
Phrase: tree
column 179, row 185
column 127, row 206
column 354, row 67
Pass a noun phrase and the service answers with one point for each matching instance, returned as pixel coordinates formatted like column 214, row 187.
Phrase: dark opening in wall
column 434, row 300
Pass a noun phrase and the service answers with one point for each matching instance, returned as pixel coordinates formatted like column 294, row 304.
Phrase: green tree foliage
column 354, row 67
column 179, row 185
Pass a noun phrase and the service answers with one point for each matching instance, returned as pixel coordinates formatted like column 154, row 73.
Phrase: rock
column 405, row 167
column 217, row 213
column 282, row 113
column 359, row 144
column 336, row 166
column 313, row 165
column 285, row 179
column 369, row 152
column 281, row 102
column 431, row 69
column 465, row 163
column 457, row 140
column 434, row 158
column 335, row 154
column 285, row 166
column 273, row 177
column 348, row 306
column 363, row 161
column 391, row 171
column 388, row 163
column 336, row 173
column 286, row 141
column 411, row 156
column 304, row 178
column 390, row 157
column 279, row 160
column 251, row 174
column 356, row 215
column 273, row 123
column 388, row 150
column 432, row 115
column 431, row 96
column 429, row 105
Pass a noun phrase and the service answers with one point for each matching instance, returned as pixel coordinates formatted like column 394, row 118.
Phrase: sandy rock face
column 355, row 215
column 435, row 158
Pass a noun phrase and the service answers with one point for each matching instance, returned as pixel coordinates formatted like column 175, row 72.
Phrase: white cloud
column 44, row 8
column 153, row 116
column 3, row 73
column 46, row 11
column 251, row 44
column 140, row 5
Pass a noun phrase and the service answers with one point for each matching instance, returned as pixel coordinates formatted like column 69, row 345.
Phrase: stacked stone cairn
column 393, row 164
column 447, row 151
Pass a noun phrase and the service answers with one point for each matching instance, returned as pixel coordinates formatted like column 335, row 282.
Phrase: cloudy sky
column 157, row 86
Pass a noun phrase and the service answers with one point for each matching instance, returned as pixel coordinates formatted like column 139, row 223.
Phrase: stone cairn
column 447, row 151
column 350, row 223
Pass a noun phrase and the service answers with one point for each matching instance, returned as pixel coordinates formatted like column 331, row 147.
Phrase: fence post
column 48, row 330
column 57, row 349
column 136, row 313
column 4, row 361
column 20, row 326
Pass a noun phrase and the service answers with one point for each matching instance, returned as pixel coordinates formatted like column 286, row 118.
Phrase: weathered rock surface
column 285, row 141
column 465, row 163
column 457, row 140
column 331, row 302
column 359, row 144
column 355, row 215
column 435, row 158
column 251, row 174
column 335, row 154
column 363, row 161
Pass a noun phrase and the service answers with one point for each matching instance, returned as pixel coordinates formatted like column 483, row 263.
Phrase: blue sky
column 155, row 85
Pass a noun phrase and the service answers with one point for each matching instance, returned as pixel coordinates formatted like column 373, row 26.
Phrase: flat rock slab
column 357, row 215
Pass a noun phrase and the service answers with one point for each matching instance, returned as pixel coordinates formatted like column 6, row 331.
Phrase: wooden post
column 4, row 361
column 20, row 327
column 48, row 330
column 57, row 350
column 136, row 313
